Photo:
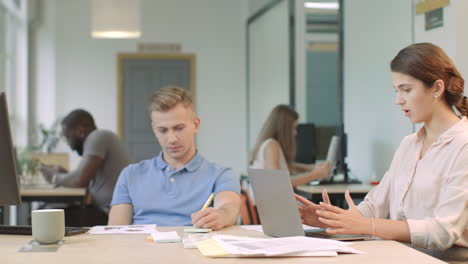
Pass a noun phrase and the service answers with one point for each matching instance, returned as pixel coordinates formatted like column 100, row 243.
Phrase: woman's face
column 416, row 99
column 294, row 126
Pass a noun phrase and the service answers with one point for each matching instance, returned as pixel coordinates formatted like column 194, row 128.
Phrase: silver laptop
column 277, row 207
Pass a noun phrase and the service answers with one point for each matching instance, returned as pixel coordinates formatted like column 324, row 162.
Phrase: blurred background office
column 327, row 59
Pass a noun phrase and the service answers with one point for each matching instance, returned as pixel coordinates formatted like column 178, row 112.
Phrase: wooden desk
column 47, row 194
column 134, row 248
column 335, row 191
column 43, row 194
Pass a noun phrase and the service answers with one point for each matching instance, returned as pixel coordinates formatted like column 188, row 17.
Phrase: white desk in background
column 335, row 191
column 48, row 194
column 43, row 194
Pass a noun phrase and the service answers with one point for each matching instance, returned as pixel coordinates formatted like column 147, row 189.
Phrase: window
column 13, row 64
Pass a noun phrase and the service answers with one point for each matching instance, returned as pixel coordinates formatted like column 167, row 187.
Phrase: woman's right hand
column 321, row 170
column 307, row 210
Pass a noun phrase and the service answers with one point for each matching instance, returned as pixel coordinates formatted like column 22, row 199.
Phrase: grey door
column 141, row 76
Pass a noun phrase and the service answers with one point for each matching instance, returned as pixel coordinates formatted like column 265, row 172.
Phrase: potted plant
column 30, row 157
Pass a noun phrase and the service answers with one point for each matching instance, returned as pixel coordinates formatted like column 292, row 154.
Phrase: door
column 139, row 76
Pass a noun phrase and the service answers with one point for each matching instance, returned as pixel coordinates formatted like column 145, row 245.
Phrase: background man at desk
column 104, row 157
column 170, row 189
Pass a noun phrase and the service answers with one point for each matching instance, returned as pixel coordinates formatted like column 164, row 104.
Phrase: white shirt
column 259, row 162
column 430, row 193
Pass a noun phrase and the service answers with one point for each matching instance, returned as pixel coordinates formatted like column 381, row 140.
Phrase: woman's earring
column 435, row 96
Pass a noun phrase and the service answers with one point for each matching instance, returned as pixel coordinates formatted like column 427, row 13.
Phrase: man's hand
column 322, row 170
column 209, row 218
column 49, row 170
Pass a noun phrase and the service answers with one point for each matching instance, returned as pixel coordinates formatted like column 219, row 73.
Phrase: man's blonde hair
column 168, row 97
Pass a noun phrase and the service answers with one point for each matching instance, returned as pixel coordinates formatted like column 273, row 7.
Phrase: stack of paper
column 229, row 246
column 259, row 228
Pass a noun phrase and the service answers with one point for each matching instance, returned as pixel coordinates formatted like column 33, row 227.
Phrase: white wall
column 268, row 66
column 444, row 36
column 255, row 5
column 213, row 30
column 300, row 60
column 452, row 37
column 374, row 31
column 461, row 21
column 42, row 52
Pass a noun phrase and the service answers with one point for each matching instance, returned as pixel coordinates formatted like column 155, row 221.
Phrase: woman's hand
column 308, row 210
column 321, row 170
column 342, row 221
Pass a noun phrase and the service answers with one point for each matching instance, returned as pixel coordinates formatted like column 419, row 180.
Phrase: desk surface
column 134, row 248
column 47, row 191
column 336, row 188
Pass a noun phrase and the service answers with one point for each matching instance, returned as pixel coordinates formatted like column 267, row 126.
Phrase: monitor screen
column 9, row 182
column 306, row 147
column 333, row 154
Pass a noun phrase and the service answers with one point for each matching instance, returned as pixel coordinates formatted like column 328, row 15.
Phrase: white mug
column 48, row 226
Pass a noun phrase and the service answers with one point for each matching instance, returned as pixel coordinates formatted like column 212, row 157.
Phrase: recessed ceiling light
column 322, row 5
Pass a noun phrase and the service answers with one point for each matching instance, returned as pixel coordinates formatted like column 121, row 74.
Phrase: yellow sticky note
column 211, row 248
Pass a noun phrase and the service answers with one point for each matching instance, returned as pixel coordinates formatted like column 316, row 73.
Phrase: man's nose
column 172, row 136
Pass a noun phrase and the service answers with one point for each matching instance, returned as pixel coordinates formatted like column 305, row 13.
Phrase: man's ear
column 439, row 87
column 196, row 122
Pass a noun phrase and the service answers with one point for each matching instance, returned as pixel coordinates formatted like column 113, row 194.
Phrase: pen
column 208, row 202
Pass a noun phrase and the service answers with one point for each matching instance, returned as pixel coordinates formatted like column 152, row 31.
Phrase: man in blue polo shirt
column 171, row 189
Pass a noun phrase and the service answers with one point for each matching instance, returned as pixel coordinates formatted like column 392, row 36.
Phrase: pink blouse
column 431, row 193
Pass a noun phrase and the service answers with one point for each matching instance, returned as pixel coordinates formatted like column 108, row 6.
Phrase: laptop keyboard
column 27, row 230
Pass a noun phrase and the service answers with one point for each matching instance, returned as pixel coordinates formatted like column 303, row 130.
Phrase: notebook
column 277, row 207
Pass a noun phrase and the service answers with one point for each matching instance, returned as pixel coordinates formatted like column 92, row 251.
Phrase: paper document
column 190, row 240
column 259, row 228
column 165, row 237
column 197, row 230
column 122, row 229
column 229, row 246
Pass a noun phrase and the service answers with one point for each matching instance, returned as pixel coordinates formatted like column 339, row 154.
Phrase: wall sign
column 424, row 6
column 434, row 19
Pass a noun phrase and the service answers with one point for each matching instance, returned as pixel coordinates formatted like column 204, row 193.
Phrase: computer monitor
column 341, row 167
column 333, row 154
column 9, row 182
column 306, row 146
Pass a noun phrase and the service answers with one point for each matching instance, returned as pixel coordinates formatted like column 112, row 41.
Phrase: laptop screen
column 276, row 205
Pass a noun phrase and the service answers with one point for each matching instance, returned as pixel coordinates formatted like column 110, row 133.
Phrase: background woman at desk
column 275, row 148
column 425, row 191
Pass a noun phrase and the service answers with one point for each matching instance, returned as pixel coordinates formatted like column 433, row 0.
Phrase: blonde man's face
column 175, row 131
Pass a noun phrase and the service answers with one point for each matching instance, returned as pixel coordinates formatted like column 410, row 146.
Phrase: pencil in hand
column 207, row 203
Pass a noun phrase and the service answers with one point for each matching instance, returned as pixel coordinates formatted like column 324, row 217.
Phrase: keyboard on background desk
column 27, row 230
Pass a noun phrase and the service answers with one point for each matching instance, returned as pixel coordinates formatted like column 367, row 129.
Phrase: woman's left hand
column 342, row 221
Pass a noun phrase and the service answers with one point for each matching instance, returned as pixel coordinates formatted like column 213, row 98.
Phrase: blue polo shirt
column 165, row 197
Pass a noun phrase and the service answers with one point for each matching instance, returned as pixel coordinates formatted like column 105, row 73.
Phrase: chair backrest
column 253, row 212
column 244, row 210
column 248, row 210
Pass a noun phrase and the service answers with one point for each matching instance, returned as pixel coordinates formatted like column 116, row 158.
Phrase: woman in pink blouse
column 423, row 197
